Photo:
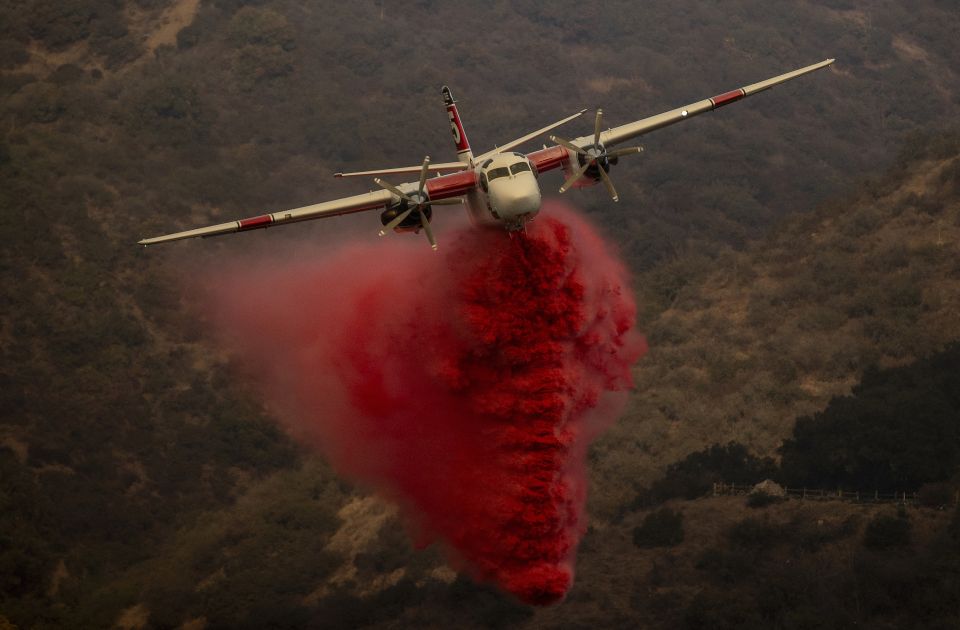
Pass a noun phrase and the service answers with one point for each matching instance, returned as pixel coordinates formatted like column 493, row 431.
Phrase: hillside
column 741, row 347
column 298, row 547
column 797, row 564
column 142, row 482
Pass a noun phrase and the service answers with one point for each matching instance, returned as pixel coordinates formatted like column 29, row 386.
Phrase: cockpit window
column 494, row 173
column 519, row 167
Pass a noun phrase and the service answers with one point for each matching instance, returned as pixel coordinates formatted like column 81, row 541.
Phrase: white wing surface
column 346, row 205
column 623, row 133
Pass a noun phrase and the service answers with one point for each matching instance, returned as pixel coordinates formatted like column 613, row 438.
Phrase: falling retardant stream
column 465, row 385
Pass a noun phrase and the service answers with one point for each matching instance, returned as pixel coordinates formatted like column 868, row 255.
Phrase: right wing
column 558, row 156
column 622, row 133
column 357, row 203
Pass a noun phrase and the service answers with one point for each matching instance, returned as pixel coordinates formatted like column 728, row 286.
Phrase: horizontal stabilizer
column 529, row 136
column 433, row 168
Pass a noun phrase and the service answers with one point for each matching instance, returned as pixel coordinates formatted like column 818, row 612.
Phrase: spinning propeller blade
column 595, row 157
column 400, row 219
column 420, row 204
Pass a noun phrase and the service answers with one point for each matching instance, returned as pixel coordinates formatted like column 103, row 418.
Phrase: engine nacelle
column 412, row 223
column 592, row 175
column 594, row 171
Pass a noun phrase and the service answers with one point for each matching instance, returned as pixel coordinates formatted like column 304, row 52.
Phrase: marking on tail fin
column 456, row 126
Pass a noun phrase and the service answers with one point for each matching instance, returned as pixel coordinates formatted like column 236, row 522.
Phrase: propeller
column 595, row 156
column 418, row 204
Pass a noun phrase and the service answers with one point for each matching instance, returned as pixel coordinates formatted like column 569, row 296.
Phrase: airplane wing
column 553, row 157
column 594, row 151
column 623, row 133
column 441, row 190
column 347, row 205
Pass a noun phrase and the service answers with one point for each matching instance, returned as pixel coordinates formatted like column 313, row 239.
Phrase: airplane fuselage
column 508, row 194
column 500, row 191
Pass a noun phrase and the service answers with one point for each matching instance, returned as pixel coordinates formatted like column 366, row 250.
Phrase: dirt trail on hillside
column 179, row 15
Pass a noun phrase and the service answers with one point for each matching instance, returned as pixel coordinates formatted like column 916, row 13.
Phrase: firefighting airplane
column 500, row 187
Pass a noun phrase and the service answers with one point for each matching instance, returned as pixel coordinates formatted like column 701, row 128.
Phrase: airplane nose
column 523, row 201
column 516, row 200
column 527, row 202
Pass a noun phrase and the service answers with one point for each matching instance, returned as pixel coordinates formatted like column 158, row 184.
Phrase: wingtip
column 338, row 174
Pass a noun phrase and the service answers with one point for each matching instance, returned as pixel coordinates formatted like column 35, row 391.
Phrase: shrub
column 726, row 566
column 762, row 499
column 663, row 528
column 754, row 532
column 886, row 532
column 188, row 37
column 12, row 54
column 810, row 536
column 261, row 27
column 936, row 495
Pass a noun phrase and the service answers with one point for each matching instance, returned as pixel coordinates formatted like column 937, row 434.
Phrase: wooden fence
column 818, row 494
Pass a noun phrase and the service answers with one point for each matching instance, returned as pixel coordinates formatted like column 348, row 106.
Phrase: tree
column 899, row 429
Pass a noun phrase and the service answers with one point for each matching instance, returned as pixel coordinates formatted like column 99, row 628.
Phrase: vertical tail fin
column 464, row 154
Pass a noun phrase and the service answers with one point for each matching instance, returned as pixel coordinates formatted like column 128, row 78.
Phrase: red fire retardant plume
column 464, row 384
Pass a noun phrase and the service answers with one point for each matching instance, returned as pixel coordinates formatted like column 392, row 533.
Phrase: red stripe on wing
column 727, row 97
column 256, row 222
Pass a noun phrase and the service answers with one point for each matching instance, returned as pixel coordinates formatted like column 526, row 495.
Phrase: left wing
column 357, row 203
column 427, row 192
